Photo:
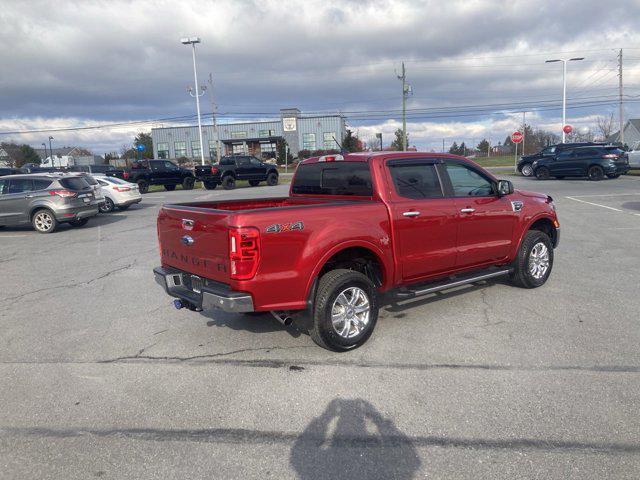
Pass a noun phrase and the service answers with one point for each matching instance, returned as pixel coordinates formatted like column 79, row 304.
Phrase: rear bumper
column 213, row 296
column 76, row 213
column 124, row 203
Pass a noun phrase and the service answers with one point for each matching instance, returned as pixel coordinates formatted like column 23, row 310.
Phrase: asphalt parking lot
column 103, row 378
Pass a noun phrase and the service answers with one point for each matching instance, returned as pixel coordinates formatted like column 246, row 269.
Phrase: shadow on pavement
column 255, row 323
column 351, row 439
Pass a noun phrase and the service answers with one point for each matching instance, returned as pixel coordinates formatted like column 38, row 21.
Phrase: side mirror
column 505, row 187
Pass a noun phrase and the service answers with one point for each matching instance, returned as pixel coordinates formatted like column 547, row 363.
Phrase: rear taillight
column 610, row 155
column 63, row 193
column 214, row 170
column 121, row 189
column 244, row 252
column 125, row 175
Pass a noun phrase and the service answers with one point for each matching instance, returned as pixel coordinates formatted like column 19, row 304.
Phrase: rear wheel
column 254, row 183
column 228, row 182
column 143, row 186
column 272, row 179
column 345, row 310
column 169, row 188
column 43, row 221
column 188, row 183
column 534, row 262
column 542, row 173
column 209, row 185
column 107, row 206
column 613, row 175
column 527, row 170
column 80, row 222
column 595, row 173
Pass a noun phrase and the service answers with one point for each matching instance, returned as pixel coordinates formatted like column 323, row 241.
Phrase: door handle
column 467, row 210
column 411, row 214
column 28, row 196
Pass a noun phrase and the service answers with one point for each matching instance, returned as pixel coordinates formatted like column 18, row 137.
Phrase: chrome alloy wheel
column 43, row 221
column 527, row 170
column 539, row 260
column 350, row 312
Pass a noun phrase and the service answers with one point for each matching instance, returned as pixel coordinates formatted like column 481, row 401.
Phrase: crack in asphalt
column 15, row 298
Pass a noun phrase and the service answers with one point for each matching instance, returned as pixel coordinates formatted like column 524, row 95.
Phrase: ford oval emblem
column 187, row 240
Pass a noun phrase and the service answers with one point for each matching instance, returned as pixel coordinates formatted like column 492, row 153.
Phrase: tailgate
column 195, row 240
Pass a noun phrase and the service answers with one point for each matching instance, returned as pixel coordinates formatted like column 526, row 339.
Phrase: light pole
column 564, row 87
column 45, row 149
column 192, row 41
column 51, row 151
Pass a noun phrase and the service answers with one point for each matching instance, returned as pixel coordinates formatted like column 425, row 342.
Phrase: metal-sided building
column 261, row 139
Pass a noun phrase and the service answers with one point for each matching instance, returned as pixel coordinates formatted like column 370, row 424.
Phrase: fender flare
column 527, row 227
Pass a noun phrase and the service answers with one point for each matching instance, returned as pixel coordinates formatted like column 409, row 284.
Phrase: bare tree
column 605, row 125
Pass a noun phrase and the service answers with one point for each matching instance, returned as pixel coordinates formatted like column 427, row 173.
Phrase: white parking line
column 13, row 236
column 602, row 206
column 608, row 195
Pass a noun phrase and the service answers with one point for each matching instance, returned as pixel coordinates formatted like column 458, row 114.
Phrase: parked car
column 108, row 170
column 9, row 171
column 354, row 227
column 525, row 162
column 157, row 172
column 237, row 167
column 595, row 162
column 97, row 189
column 46, row 200
column 634, row 157
column 118, row 193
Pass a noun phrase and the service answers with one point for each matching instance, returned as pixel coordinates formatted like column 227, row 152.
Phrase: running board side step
column 450, row 283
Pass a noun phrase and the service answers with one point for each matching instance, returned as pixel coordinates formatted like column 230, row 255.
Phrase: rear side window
column 75, row 183
column 585, row 152
column 41, row 184
column 90, row 180
column 334, row 178
column 19, row 185
column 3, row 186
column 416, row 181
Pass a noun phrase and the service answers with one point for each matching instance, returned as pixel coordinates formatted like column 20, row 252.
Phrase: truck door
column 485, row 220
column 243, row 168
column 258, row 169
column 171, row 172
column 425, row 221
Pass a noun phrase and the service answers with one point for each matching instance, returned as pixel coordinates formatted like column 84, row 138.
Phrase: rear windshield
column 75, row 183
column 334, row 178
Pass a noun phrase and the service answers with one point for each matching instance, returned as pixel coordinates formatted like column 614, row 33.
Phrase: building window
column 180, row 149
column 163, row 150
column 238, row 134
column 195, row 149
column 265, row 133
column 238, row 149
column 269, row 147
column 328, row 140
column 213, row 149
column 309, row 141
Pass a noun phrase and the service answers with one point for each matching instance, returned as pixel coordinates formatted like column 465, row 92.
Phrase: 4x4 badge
column 285, row 227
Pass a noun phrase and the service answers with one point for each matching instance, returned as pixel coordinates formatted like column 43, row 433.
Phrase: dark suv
column 525, row 163
column 594, row 162
column 237, row 167
column 45, row 200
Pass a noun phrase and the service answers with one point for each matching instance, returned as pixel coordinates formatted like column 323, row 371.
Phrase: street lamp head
column 50, row 138
column 552, row 61
column 576, row 58
column 189, row 40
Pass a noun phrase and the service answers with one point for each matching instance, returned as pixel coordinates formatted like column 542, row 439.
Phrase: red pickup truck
column 354, row 227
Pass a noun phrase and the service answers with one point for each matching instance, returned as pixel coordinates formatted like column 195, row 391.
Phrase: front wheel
column 345, row 310
column 107, row 206
column 542, row 173
column 209, row 185
column 527, row 170
column 534, row 262
column 228, row 183
column 272, row 179
column 188, row 183
column 595, row 173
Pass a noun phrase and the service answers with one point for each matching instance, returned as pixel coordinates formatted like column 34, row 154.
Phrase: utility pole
column 192, row 41
column 621, row 107
column 213, row 117
column 443, row 145
column 524, row 129
column 405, row 93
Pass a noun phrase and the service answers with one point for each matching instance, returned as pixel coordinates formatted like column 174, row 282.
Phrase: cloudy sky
column 472, row 64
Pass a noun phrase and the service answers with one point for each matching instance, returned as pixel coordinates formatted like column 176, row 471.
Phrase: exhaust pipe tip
column 283, row 318
column 286, row 321
column 178, row 304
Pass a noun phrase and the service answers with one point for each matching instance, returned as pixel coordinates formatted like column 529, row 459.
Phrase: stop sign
column 516, row 137
column 567, row 129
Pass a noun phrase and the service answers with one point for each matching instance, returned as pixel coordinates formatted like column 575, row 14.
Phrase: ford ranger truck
column 355, row 227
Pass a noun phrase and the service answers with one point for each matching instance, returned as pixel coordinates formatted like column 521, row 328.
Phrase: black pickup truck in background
column 158, row 172
column 237, row 167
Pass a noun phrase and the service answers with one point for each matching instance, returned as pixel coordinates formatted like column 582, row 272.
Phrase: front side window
column 309, row 141
column 163, row 150
column 170, row 166
column 416, row 181
column 328, row 142
column 255, row 162
column 180, row 149
column 467, row 182
column 195, row 148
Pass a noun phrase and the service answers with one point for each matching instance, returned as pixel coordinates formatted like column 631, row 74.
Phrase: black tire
column 143, row 186
column 123, row 207
column 613, row 175
column 595, row 173
column 542, row 173
column 228, row 182
column 107, row 206
column 526, row 170
column 188, row 183
column 254, row 183
column 81, row 222
column 169, row 188
column 209, row 185
column 44, row 221
column 522, row 275
column 272, row 179
column 332, row 285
